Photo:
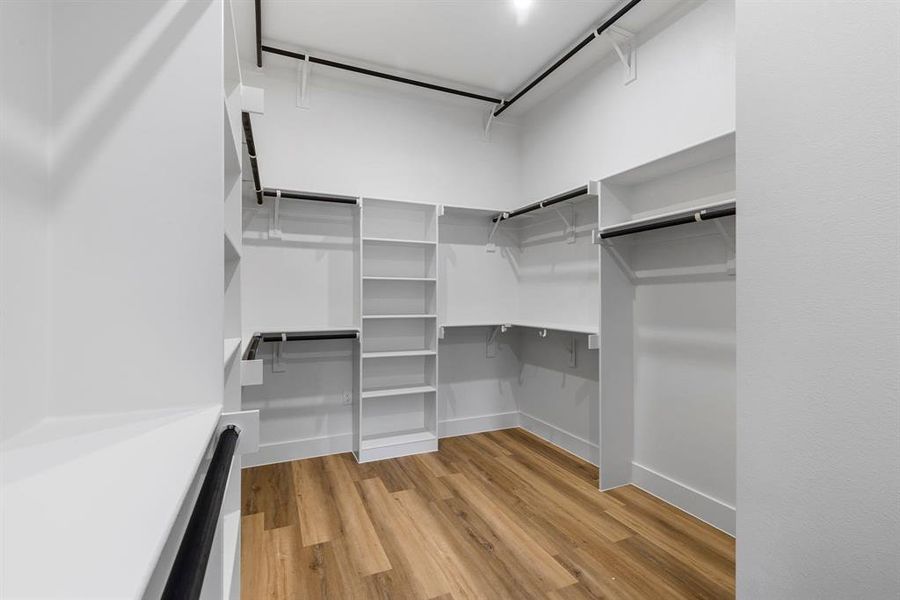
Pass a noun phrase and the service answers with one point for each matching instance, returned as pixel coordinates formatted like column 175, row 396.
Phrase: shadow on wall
column 116, row 65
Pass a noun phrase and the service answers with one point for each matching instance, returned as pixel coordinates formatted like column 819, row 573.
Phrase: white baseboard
column 277, row 452
column 704, row 507
column 467, row 425
column 297, row 449
column 580, row 447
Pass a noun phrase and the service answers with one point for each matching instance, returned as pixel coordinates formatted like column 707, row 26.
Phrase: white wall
column 24, row 235
column 818, row 300
column 384, row 140
column 596, row 126
column 136, row 253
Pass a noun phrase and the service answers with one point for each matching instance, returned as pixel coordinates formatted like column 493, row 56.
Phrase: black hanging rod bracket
column 251, row 151
column 296, row 336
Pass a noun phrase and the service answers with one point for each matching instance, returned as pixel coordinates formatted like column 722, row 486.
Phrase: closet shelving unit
column 667, row 318
column 396, row 389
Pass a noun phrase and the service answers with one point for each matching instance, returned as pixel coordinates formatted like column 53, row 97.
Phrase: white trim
column 706, row 508
column 467, row 425
column 276, row 452
column 569, row 442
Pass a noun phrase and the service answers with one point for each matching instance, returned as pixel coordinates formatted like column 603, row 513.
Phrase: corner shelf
column 424, row 316
column 413, row 279
column 398, row 353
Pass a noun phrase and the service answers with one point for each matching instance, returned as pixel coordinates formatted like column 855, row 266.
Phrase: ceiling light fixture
column 522, row 8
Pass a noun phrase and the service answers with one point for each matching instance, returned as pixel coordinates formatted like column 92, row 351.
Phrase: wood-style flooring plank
column 363, row 543
column 500, row 515
column 317, row 513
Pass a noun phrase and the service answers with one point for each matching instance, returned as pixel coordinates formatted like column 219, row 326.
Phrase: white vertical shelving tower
column 398, row 364
column 231, row 327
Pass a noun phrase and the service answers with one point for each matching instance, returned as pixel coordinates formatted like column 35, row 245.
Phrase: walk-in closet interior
column 448, row 300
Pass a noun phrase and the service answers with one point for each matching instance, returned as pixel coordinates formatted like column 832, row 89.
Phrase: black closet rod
column 251, row 150
column 590, row 38
column 581, row 191
column 705, row 214
column 186, row 577
column 339, row 65
column 259, row 338
column 297, row 195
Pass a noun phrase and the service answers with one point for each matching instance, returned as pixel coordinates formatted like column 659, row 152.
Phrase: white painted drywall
column 136, row 253
column 684, row 385
column 24, row 211
column 383, row 140
column 818, row 302
column 596, row 126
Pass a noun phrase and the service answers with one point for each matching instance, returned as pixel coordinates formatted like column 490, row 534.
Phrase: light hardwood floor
column 491, row 515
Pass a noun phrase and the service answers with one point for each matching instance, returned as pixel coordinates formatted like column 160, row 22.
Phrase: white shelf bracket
column 491, row 246
column 441, row 332
column 278, row 355
column 488, row 121
column 275, row 221
column 593, row 341
column 542, row 333
column 572, row 350
column 303, row 73
column 614, row 252
column 626, row 49
column 490, row 348
column 569, row 223
column 729, row 247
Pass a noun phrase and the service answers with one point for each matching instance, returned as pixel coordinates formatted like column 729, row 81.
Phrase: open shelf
column 402, row 279
column 395, row 241
column 398, row 353
column 399, row 317
column 397, row 438
column 398, row 391
column 568, row 327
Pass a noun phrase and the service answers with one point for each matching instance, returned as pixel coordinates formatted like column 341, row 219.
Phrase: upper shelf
column 696, row 214
column 148, row 458
column 567, row 327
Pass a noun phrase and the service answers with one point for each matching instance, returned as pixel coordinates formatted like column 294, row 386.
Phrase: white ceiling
column 482, row 45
